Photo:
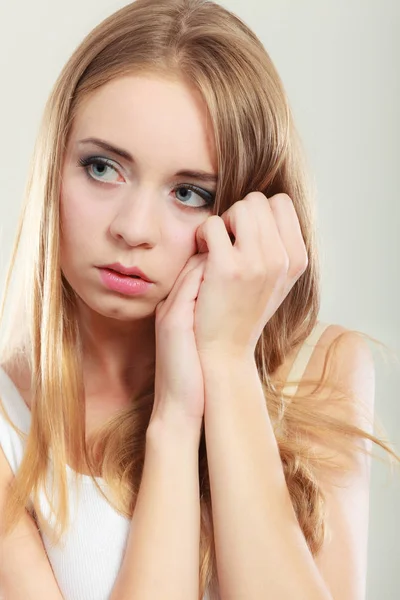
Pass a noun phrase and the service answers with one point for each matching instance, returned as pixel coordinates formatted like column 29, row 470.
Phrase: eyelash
column 209, row 197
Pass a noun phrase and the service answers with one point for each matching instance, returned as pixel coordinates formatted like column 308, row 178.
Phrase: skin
column 136, row 217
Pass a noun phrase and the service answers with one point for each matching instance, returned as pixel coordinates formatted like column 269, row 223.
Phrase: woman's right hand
column 179, row 386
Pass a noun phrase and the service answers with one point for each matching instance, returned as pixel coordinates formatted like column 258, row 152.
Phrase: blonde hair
column 258, row 148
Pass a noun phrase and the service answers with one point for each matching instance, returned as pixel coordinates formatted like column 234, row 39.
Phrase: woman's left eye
column 207, row 197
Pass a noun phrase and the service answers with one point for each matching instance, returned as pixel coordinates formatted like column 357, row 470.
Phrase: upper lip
column 127, row 270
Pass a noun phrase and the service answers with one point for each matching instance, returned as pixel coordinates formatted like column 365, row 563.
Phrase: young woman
column 175, row 421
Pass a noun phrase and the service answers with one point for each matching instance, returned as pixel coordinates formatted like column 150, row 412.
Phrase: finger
column 264, row 218
column 176, row 312
column 213, row 237
column 289, row 229
column 194, row 263
column 190, row 264
column 240, row 222
column 271, row 244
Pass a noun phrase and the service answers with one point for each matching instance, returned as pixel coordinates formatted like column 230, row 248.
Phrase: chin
column 123, row 308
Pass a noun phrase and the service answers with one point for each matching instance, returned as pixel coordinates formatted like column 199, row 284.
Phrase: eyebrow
column 200, row 175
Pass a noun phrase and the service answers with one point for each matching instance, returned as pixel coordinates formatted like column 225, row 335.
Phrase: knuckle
column 284, row 197
column 254, row 195
column 256, row 271
column 241, row 206
column 301, row 265
column 281, row 264
column 233, row 271
column 279, row 198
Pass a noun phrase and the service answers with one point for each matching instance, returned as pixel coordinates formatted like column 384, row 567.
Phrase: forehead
column 150, row 115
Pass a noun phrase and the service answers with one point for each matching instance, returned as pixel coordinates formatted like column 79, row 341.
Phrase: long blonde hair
column 258, row 148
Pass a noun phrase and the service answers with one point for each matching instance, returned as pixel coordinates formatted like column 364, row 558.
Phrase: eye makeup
column 87, row 162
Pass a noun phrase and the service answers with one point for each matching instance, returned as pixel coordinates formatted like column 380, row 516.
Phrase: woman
column 161, row 329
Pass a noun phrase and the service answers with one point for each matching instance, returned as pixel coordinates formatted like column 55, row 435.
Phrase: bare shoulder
column 314, row 366
column 350, row 366
column 348, row 344
column 350, row 374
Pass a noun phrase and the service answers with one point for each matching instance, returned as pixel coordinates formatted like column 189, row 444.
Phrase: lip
column 124, row 284
column 126, row 270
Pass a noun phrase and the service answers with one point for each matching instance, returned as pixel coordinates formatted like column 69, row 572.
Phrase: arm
column 162, row 554
column 163, row 547
column 261, row 550
column 25, row 572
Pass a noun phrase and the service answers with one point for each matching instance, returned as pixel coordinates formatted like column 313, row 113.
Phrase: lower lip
column 123, row 283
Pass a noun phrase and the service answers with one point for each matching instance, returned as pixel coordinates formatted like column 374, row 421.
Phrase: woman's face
column 134, row 211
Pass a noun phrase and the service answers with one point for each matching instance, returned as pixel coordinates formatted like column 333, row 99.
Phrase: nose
column 136, row 222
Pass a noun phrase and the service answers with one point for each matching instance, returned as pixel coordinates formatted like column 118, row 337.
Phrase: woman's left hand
column 245, row 282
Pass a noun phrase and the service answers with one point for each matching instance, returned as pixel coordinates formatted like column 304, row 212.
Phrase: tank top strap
column 303, row 357
column 11, row 441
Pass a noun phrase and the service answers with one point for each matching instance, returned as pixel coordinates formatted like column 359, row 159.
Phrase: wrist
column 215, row 363
column 177, row 431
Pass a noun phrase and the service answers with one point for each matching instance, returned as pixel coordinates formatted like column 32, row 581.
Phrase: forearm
column 162, row 554
column 261, row 550
column 25, row 571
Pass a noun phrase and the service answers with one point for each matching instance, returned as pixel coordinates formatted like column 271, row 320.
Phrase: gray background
column 340, row 63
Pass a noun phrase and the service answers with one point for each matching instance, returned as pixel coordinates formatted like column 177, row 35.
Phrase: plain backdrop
column 340, row 64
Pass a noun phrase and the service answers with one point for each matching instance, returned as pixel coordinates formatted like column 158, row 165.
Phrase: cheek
column 76, row 244
column 78, row 214
column 179, row 247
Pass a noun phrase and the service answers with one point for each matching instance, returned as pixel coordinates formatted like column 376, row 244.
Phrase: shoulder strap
column 12, row 443
column 303, row 357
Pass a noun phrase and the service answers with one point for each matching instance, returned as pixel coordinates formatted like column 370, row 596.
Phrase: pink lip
column 123, row 284
column 126, row 270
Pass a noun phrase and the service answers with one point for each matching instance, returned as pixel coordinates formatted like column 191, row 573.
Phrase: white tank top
column 87, row 566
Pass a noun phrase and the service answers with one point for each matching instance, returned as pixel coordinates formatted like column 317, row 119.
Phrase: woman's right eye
column 100, row 168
